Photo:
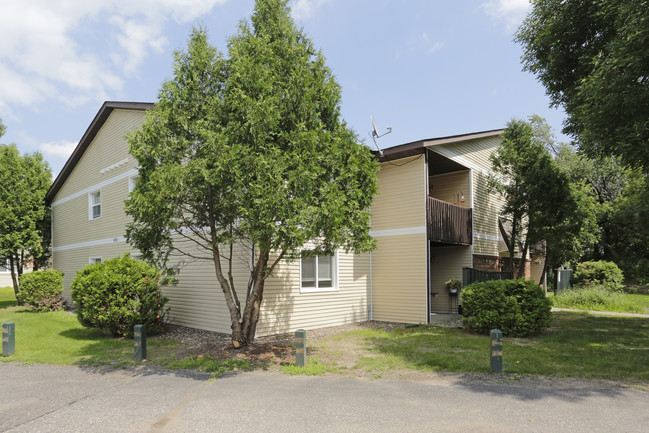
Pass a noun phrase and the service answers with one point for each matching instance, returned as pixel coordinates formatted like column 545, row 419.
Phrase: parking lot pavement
column 42, row 398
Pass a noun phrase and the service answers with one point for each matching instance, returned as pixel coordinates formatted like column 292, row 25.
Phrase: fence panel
column 470, row 275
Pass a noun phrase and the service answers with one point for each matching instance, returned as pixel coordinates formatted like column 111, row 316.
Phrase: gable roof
column 87, row 138
column 389, row 154
column 417, row 147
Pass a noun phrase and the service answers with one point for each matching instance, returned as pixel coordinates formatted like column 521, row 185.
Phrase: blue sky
column 427, row 68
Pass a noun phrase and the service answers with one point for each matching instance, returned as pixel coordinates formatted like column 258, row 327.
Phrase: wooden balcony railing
column 449, row 223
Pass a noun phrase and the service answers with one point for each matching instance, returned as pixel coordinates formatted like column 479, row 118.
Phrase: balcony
column 448, row 224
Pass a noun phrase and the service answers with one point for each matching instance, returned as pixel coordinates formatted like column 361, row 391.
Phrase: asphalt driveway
column 42, row 398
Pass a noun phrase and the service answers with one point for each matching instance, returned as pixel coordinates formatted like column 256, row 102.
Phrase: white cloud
column 45, row 53
column 60, row 148
column 303, row 9
column 511, row 12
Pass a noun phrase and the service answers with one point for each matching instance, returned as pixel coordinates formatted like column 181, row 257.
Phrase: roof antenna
column 374, row 133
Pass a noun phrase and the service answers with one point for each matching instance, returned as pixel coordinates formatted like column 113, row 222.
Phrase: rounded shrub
column 600, row 273
column 42, row 290
column 118, row 294
column 518, row 308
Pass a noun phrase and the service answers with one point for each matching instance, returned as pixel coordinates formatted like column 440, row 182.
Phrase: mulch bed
column 277, row 348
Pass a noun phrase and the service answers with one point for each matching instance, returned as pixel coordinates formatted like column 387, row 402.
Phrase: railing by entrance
column 449, row 223
column 470, row 275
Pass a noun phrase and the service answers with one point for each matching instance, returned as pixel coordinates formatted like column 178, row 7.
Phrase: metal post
column 300, row 348
column 8, row 338
column 496, row 351
column 139, row 337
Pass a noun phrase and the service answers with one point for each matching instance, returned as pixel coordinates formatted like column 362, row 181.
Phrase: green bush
column 118, row 294
column 518, row 308
column 42, row 290
column 601, row 273
column 596, row 298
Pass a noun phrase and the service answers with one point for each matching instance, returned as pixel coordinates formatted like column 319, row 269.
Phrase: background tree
column 593, row 60
column 250, row 151
column 621, row 195
column 544, row 208
column 24, row 181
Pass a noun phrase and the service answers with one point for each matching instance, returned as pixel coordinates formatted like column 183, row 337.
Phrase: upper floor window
column 132, row 182
column 319, row 273
column 94, row 205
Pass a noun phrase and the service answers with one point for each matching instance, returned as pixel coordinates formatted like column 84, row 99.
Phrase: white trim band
column 93, row 188
column 487, row 237
column 421, row 230
column 94, row 243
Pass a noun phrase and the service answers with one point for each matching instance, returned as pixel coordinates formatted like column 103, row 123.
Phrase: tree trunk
column 238, row 337
column 14, row 276
column 255, row 298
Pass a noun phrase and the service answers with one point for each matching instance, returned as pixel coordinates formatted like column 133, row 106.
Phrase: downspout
column 52, row 234
column 370, row 306
column 472, row 215
column 427, row 189
column 371, row 303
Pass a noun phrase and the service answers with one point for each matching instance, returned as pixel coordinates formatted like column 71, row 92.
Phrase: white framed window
column 94, row 205
column 4, row 266
column 132, row 181
column 319, row 273
column 94, row 260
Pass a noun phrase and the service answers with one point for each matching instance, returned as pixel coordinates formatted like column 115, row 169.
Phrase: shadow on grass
column 84, row 334
column 7, row 304
column 576, row 354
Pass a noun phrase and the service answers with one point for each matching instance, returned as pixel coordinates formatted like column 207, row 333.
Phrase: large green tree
column 544, row 208
column 250, row 151
column 24, row 181
column 592, row 57
column 621, row 194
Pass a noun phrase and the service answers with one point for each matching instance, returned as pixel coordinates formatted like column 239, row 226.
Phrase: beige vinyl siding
column 108, row 147
column 401, row 195
column 447, row 186
column 446, row 263
column 70, row 223
column 486, row 205
column 399, row 279
column 286, row 309
column 476, row 151
column 197, row 301
column 5, row 279
column 399, row 269
column 536, row 267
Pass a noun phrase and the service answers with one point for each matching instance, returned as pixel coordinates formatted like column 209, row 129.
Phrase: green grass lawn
column 576, row 345
column 602, row 300
column 7, row 298
column 58, row 338
column 641, row 300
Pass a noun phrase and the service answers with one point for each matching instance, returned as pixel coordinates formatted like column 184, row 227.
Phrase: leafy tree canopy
column 593, row 60
column 250, row 151
column 622, row 197
column 24, row 181
column 543, row 206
